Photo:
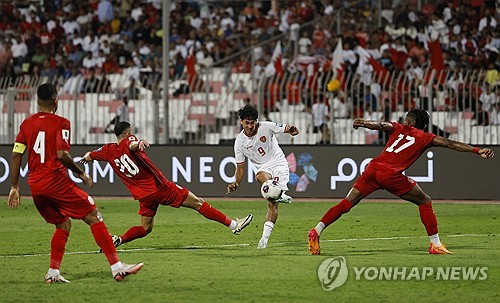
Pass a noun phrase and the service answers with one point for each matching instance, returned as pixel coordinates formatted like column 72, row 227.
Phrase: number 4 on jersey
column 39, row 147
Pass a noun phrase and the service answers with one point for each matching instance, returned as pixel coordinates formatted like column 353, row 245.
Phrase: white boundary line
column 244, row 245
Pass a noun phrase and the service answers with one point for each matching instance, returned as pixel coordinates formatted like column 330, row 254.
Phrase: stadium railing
column 207, row 113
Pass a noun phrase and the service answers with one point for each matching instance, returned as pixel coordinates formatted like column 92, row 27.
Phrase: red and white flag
column 338, row 61
column 275, row 66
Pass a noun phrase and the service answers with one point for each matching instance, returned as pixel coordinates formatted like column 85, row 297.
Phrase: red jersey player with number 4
column 147, row 184
column 405, row 145
column 46, row 136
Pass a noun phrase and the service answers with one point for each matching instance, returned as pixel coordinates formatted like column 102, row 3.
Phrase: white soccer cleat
column 126, row 270
column 117, row 241
column 57, row 279
column 284, row 199
column 262, row 243
column 242, row 223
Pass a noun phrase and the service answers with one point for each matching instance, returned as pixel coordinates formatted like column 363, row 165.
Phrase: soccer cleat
column 262, row 243
column 126, row 270
column 117, row 241
column 242, row 223
column 313, row 240
column 284, row 198
column 439, row 250
column 57, row 279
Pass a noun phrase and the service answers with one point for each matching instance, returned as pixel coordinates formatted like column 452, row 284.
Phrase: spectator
column 105, row 11
column 122, row 115
column 481, row 117
column 321, row 116
column 92, row 83
column 495, row 114
column 304, row 43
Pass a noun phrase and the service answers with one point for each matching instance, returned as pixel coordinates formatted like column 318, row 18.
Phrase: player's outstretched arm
column 375, row 125
column 86, row 158
column 292, row 130
column 67, row 161
column 462, row 147
column 14, row 194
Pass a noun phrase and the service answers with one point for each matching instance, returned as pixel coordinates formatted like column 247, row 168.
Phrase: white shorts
column 279, row 171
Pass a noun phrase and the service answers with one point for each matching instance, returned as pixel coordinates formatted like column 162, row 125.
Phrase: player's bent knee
column 94, row 217
column 148, row 229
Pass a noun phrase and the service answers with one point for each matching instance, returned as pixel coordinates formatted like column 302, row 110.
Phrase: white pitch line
column 245, row 244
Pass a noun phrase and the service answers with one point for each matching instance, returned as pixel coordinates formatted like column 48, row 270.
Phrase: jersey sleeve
column 63, row 135
column 395, row 127
column 99, row 154
column 238, row 152
column 276, row 128
column 130, row 139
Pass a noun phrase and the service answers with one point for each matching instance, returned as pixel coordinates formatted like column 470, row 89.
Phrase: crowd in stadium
column 62, row 38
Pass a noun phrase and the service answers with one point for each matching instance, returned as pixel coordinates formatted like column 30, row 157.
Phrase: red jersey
column 44, row 134
column 136, row 170
column 405, row 145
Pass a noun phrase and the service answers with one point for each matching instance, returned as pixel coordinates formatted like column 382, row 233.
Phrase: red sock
column 336, row 211
column 207, row 211
column 428, row 218
column 102, row 238
column 57, row 247
column 135, row 232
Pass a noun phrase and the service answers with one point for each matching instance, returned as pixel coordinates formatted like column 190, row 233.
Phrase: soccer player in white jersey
column 257, row 142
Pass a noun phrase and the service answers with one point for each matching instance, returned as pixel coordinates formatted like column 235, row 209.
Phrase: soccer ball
column 270, row 190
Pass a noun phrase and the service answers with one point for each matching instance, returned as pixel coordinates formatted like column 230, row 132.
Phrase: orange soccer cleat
column 313, row 240
column 439, row 250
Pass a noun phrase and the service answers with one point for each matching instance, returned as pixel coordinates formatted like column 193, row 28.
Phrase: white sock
column 54, row 272
column 435, row 240
column 233, row 225
column 117, row 266
column 319, row 228
column 268, row 229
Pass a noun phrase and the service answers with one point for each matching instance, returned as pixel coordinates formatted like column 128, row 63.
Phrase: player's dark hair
column 421, row 118
column 248, row 112
column 120, row 127
column 47, row 93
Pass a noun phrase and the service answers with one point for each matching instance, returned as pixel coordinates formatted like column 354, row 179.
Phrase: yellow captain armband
column 19, row 148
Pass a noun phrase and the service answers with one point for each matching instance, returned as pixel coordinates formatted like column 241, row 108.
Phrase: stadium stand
column 442, row 57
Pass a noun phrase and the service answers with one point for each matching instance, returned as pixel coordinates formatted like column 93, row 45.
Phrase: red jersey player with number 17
column 147, row 184
column 46, row 136
column 405, row 145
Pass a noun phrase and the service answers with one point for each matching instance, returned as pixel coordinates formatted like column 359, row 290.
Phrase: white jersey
column 262, row 148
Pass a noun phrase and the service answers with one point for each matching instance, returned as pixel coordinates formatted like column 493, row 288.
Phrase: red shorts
column 373, row 179
column 56, row 206
column 170, row 194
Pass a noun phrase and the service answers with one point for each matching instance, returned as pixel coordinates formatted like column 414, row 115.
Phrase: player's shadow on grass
column 93, row 275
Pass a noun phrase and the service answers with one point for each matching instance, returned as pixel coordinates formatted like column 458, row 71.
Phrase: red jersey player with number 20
column 147, row 184
column 405, row 145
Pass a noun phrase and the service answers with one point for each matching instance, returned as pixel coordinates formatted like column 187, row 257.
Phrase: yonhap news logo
column 333, row 273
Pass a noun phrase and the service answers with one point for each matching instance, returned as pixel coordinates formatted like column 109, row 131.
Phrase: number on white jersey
column 39, row 147
column 261, row 151
column 125, row 163
column 411, row 141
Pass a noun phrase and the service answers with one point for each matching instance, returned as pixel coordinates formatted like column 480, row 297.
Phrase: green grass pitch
column 190, row 259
